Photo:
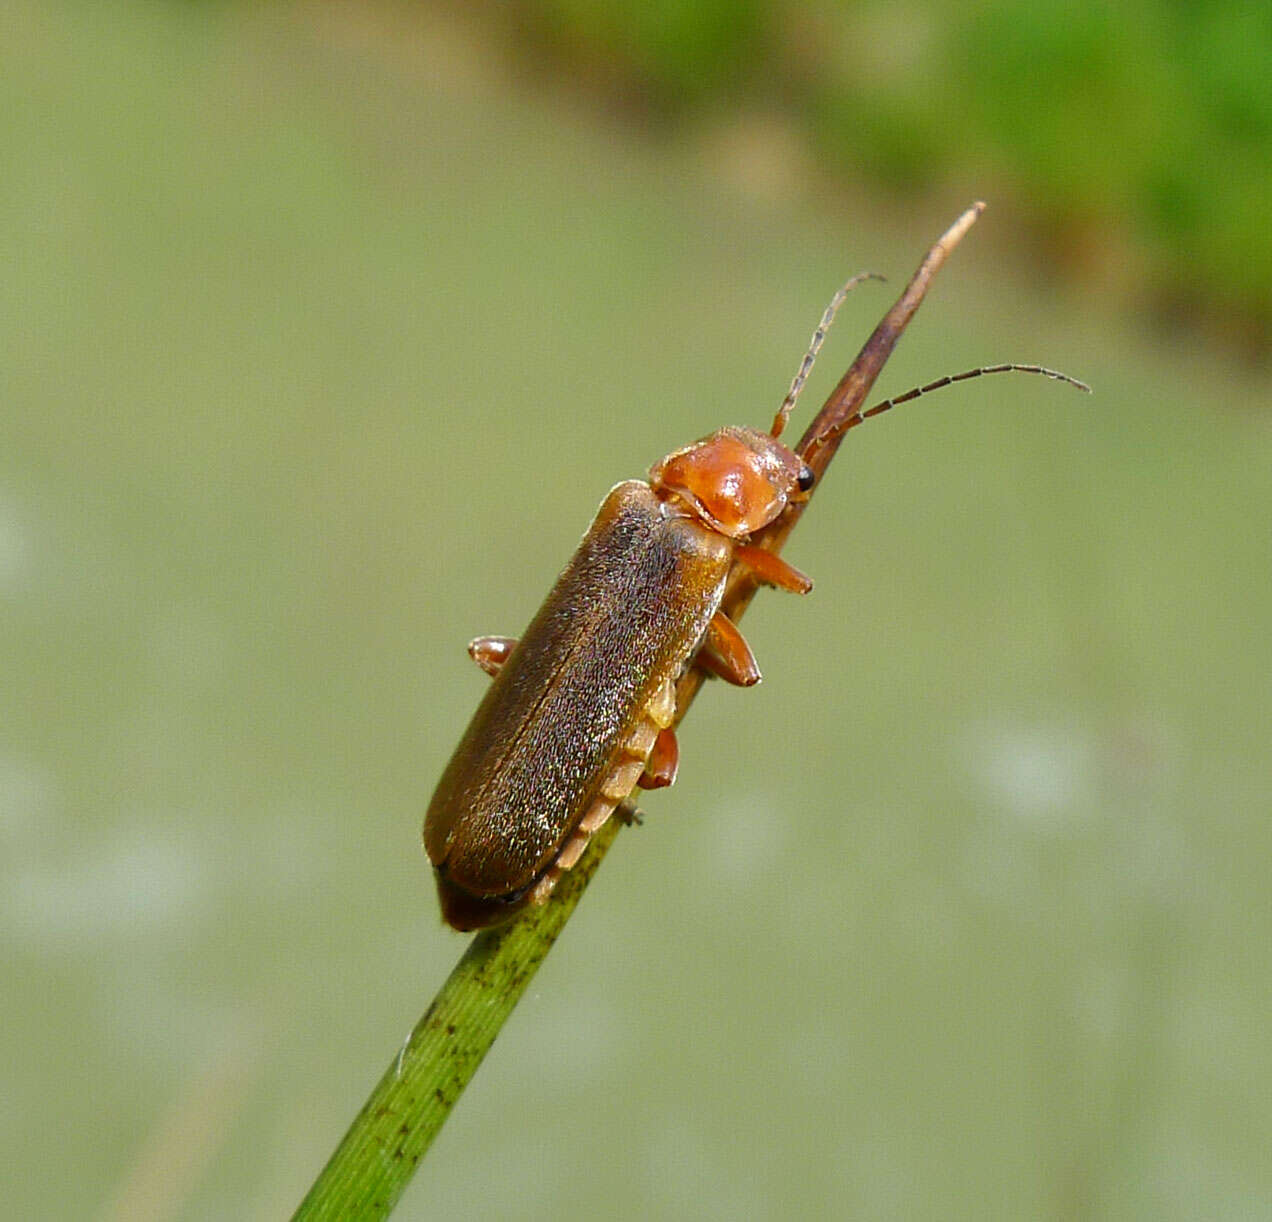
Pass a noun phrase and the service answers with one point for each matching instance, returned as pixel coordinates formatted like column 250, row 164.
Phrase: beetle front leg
column 771, row 569
column 727, row 654
column 491, row 652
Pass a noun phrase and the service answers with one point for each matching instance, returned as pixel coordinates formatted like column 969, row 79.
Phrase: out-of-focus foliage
column 1137, row 136
column 684, row 52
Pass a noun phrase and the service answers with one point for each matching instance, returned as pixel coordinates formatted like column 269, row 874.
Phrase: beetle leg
column 730, row 656
column 771, row 569
column 706, row 661
column 664, row 759
column 491, row 652
column 629, row 815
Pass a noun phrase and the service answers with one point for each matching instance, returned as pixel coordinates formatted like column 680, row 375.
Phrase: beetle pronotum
column 581, row 708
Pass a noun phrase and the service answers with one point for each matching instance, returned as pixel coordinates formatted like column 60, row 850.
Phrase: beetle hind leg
column 491, row 652
column 663, row 762
column 658, row 750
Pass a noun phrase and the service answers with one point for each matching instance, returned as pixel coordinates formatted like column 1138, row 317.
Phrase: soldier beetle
column 581, row 707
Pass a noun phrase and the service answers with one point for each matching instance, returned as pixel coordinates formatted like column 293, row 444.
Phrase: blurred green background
column 323, row 330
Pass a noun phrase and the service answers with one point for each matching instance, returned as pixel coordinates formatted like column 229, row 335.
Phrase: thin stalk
column 377, row 1157
column 410, row 1103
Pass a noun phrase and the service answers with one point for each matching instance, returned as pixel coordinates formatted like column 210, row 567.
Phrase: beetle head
column 737, row 480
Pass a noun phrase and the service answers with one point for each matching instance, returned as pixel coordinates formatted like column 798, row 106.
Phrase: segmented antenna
column 819, row 337
column 860, row 417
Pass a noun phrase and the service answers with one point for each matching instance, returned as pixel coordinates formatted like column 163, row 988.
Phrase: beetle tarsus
column 491, row 652
column 629, row 814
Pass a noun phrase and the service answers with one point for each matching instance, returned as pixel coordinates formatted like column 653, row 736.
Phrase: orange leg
column 707, row 661
column 664, row 760
column 771, row 569
column 491, row 652
column 730, row 656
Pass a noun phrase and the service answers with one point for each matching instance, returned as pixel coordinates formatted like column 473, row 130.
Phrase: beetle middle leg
column 726, row 653
column 491, row 652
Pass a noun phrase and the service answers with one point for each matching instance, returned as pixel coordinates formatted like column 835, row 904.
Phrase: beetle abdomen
column 616, row 785
column 557, row 725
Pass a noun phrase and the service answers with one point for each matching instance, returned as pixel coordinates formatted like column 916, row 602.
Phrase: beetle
column 581, row 707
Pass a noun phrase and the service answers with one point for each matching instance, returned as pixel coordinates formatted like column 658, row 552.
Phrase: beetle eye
column 806, row 479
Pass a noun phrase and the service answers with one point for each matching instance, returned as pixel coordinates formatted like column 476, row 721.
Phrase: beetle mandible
column 581, row 708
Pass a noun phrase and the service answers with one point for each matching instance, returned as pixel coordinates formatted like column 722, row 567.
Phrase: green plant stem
column 377, row 1157
column 374, row 1163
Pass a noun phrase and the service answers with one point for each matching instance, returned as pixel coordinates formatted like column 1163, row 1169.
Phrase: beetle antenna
column 860, row 417
column 819, row 337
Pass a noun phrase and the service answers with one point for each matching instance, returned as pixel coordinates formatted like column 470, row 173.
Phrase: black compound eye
column 806, row 479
